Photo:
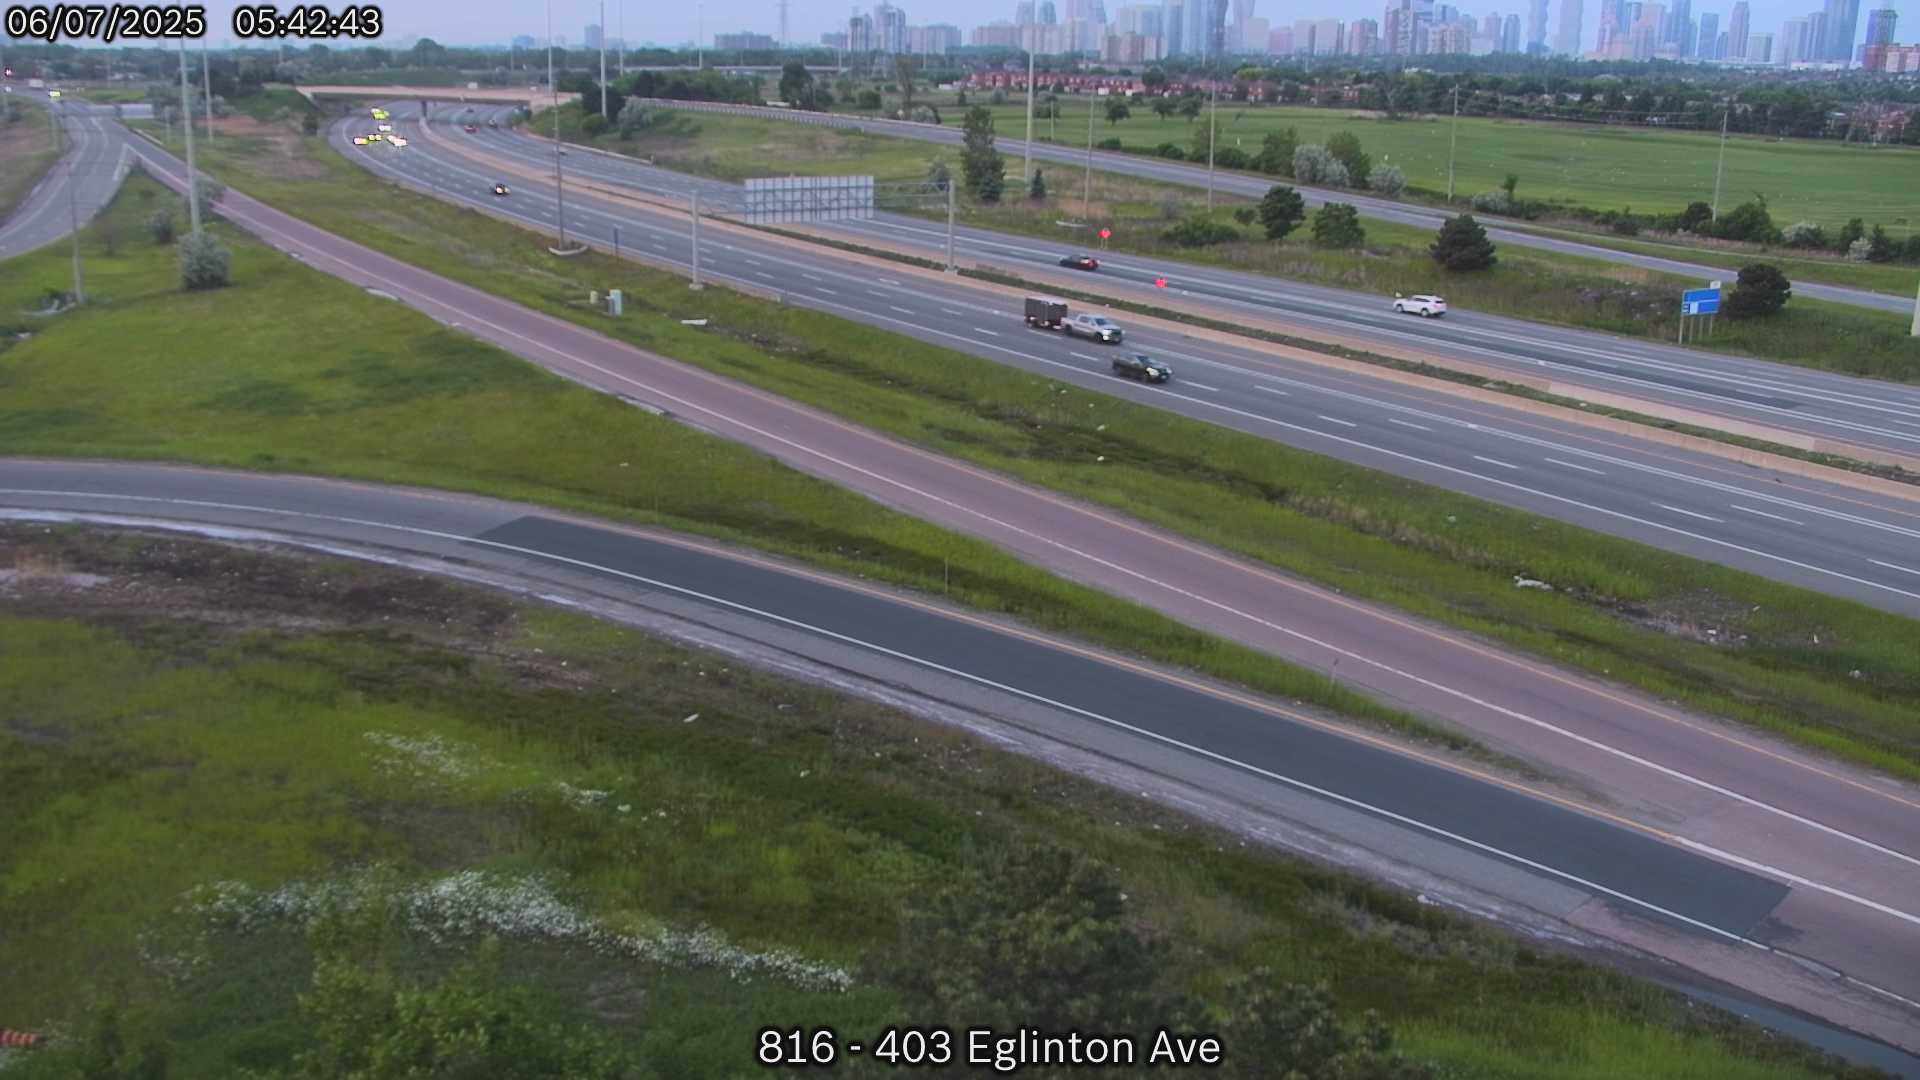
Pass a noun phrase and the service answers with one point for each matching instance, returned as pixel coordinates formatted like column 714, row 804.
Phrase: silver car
column 1097, row 327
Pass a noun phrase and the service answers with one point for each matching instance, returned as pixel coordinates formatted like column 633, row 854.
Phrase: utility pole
column 186, row 114
column 1213, row 134
column 1916, row 313
column 54, row 104
column 559, row 189
column 1086, row 200
column 1026, row 161
column 700, row 41
column 206, row 88
column 620, row 12
column 694, row 205
column 1453, row 141
column 603, row 61
column 1720, row 169
column 952, row 269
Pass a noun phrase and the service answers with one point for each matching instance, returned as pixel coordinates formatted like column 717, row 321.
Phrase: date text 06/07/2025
column 110, row 23
column 999, row 1051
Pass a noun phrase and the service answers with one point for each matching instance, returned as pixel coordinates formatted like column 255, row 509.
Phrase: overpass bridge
column 531, row 96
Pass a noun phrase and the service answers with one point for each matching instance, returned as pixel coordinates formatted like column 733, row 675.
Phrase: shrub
column 1170, row 151
column 870, row 100
column 1388, row 180
column 1345, row 148
column 1037, row 191
column 204, row 263
column 310, row 124
column 1463, row 245
column 594, row 124
column 1276, row 152
column 1625, row 225
column 210, row 191
column 1200, row 230
column 1232, row 157
column 1314, row 165
column 1245, row 215
column 1695, row 218
column 1880, row 246
column 1853, row 230
column 1109, row 144
column 1761, row 290
column 1804, row 234
column 1912, row 252
column 1281, row 211
column 1493, row 202
column 160, row 226
column 1748, row 222
column 1337, row 225
column 1860, row 249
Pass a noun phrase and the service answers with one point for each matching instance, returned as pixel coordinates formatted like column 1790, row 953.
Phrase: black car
column 1080, row 262
column 501, row 189
column 1141, row 366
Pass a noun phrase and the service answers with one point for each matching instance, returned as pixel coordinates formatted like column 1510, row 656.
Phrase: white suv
column 1431, row 307
column 1097, row 327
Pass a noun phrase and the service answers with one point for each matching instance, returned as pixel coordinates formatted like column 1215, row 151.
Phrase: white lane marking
column 889, row 281
column 1689, row 513
column 1202, row 386
column 901, row 310
column 1764, row 514
column 1336, row 420
column 353, row 272
column 1408, row 423
column 764, row 274
column 1894, row 566
column 1262, row 387
column 824, row 289
column 1495, row 461
column 1571, row 465
column 1087, row 356
column 950, row 311
column 1314, row 789
column 876, row 292
column 989, row 333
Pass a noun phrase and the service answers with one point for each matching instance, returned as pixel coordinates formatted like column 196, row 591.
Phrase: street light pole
column 553, row 88
column 206, row 88
column 1453, row 141
column 1916, row 313
column 73, row 207
column 603, row 61
column 186, row 114
column 1720, row 169
column 1086, row 200
column 951, row 268
column 1213, row 133
column 1026, row 160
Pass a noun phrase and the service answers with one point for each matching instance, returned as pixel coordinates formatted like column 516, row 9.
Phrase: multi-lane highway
column 1815, row 404
column 1822, row 535
column 94, row 164
column 1254, row 764
column 1253, row 187
column 1831, row 847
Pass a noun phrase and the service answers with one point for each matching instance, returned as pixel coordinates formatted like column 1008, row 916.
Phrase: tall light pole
column 700, row 40
column 206, row 87
column 1453, row 140
column 1086, row 200
column 73, row 207
column 186, row 114
column 1720, row 169
column 603, row 61
column 1026, row 161
column 1213, row 133
column 553, row 88
column 620, row 11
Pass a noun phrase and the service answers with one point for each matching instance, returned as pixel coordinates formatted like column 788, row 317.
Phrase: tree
column 1345, row 148
column 1760, row 291
column 1154, row 79
column 1853, row 230
column 1749, row 222
column 160, row 226
column 1276, row 152
column 310, row 123
column 938, row 174
column 1039, row 937
column 1337, row 225
column 1290, row 1030
column 980, row 163
column 1388, row 180
column 1281, row 211
column 204, row 263
column 1910, row 134
column 1117, row 110
column 1164, row 107
column 593, row 124
column 1202, row 143
column 633, row 117
column 1463, row 245
column 1190, row 107
column 1313, row 165
column 869, row 100
column 1695, row 218
column 1880, row 246
column 1037, row 191
column 796, row 85
column 1512, row 181
column 1804, row 234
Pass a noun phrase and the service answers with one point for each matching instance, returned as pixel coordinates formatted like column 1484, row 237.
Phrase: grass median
column 1528, row 283
column 27, row 151
column 1724, row 642
column 480, row 766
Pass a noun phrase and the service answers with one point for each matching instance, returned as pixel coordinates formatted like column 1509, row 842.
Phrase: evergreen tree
column 1463, row 245
column 1761, row 290
column 1281, row 211
column 980, row 163
column 1337, row 225
column 1037, row 191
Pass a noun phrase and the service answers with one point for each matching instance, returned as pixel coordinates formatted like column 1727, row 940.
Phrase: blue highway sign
column 1700, row 302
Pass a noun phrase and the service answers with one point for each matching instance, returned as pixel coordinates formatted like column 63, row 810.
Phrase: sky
column 467, row 22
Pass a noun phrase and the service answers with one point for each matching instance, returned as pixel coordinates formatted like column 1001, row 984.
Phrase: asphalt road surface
column 1254, row 187
column 93, row 161
column 1841, row 840
column 1820, row 535
column 1433, row 822
column 1870, row 413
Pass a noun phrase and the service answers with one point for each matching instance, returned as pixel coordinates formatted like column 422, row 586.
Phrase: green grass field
column 149, row 750
column 1529, row 283
column 1631, row 612
column 27, row 151
column 1606, row 168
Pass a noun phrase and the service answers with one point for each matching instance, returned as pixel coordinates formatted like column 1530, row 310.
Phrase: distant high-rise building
column 1363, row 37
column 525, row 41
column 1173, row 22
column 860, row 34
column 1673, row 31
column 1843, row 24
column 1490, row 27
column 834, row 39
column 1536, row 25
column 1047, row 16
column 1510, row 34
column 1873, row 55
column 1567, row 40
column 742, row 42
column 1737, row 31
column 889, row 28
column 1816, row 35
column 1708, row 36
column 593, row 37
column 1759, row 48
column 1793, row 41
column 1023, row 13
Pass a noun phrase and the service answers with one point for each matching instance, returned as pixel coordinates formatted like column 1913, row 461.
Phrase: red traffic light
column 1160, row 283
column 1105, row 233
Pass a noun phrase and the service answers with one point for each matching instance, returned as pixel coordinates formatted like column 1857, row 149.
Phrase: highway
column 1807, row 532
column 94, row 156
column 1840, row 840
column 1214, row 752
column 1013, row 146
column 1816, row 404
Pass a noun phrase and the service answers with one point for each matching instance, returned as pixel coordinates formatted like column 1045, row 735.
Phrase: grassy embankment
column 1528, row 283
column 1620, row 609
column 149, row 750
column 27, row 151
